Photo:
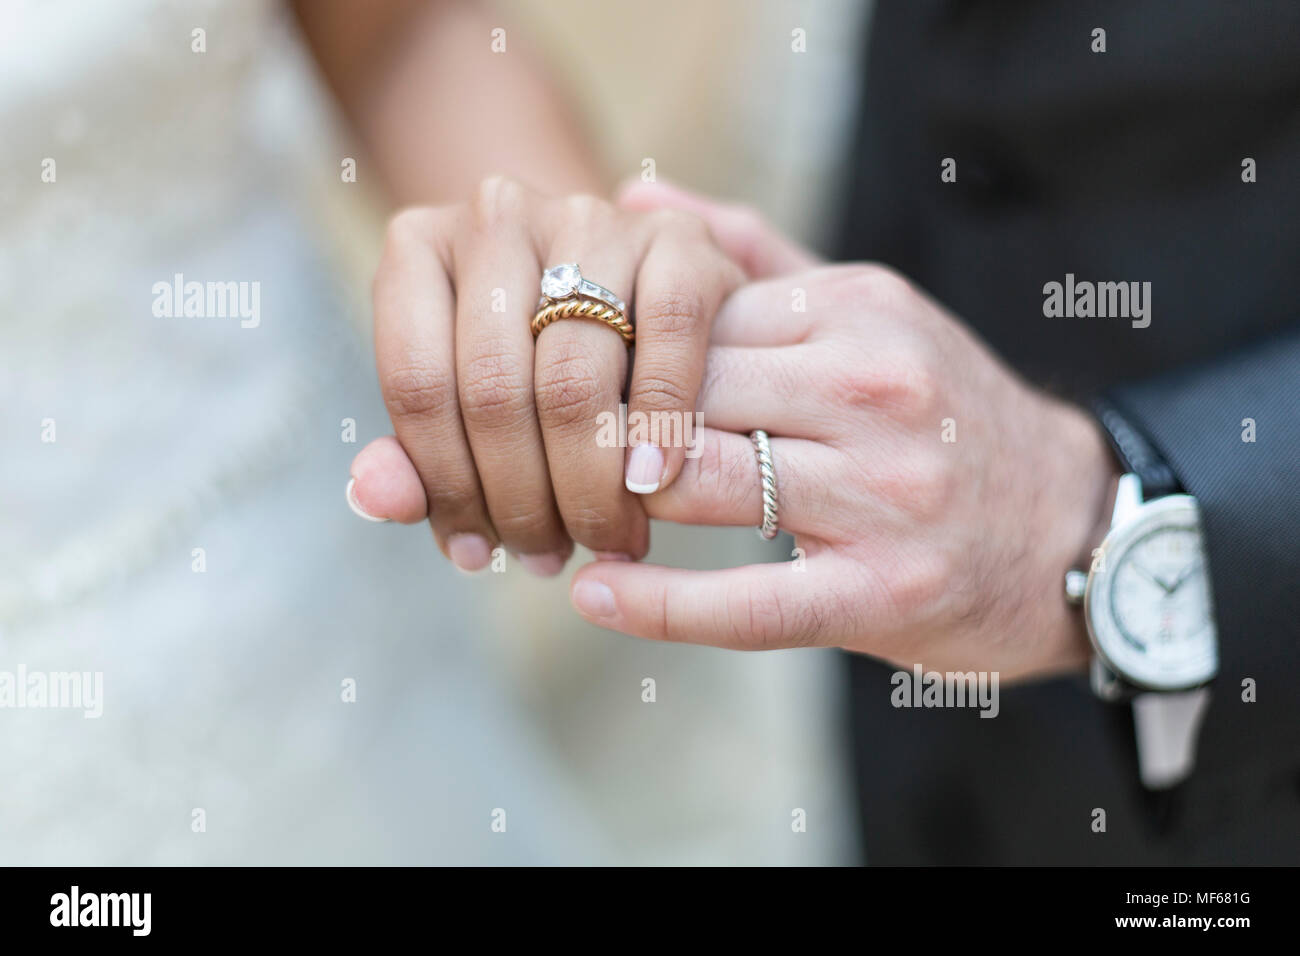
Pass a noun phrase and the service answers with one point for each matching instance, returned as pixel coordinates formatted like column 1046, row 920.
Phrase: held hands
column 937, row 499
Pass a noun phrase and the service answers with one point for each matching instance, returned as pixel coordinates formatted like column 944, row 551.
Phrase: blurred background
column 174, row 508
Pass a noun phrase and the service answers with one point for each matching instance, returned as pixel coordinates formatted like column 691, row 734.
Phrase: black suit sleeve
column 1249, row 495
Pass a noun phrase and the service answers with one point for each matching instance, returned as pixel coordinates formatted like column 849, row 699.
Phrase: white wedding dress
column 173, row 519
column 138, row 448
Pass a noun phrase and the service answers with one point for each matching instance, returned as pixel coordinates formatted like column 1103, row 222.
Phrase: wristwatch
column 1148, row 608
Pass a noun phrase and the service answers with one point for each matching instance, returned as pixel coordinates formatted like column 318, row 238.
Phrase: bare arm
column 436, row 108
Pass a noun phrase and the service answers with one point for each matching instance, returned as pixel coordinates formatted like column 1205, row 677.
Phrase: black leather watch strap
column 1135, row 452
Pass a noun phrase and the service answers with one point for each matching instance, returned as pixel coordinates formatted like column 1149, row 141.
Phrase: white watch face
column 1148, row 601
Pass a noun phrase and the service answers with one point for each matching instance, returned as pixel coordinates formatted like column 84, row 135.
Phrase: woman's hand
column 500, row 432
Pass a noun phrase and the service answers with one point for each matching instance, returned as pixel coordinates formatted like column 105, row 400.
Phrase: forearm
column 435, row 108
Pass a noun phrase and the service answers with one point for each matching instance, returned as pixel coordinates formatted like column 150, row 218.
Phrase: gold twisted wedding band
column 584, row 309
column 568, row 294
column 767, row 476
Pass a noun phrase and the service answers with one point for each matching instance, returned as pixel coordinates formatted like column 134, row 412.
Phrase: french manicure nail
column 469, row 552
column 594, row 599
column 543, row 565
column 645, row 469
column 351, row 494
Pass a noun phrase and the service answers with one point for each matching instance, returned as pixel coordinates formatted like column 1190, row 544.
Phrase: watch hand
column 1186, row 573
column 1158, row 582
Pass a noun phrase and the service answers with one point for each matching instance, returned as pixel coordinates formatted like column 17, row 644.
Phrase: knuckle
column 410, row 238
column 568, row 387
column 761, row 618
column 407, row 232
column 923, row 582
column 720, row 480
column 680, row 222
column 494, row 390
column 418, row 390
column 929, row 494
column 903, row 382
column 452, row 496
column 874, row 286
column 918, row 385
column 583, row 209
column 671, row 312
column 523, row 522
column 740, row 487
column 656, row 389
column 747, row 221
column 853, row 388
column 497, row 200
column 666, row 615
column 708, row 466
column 921, row 487
column 589, row 524
column 409, row 226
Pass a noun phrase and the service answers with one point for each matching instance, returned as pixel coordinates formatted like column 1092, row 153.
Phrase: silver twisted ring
column 767, row 476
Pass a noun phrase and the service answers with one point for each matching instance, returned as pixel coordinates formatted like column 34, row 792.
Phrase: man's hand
column 936, row 499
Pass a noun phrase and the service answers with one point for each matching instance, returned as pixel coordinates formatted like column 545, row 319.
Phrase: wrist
column 1081, row 500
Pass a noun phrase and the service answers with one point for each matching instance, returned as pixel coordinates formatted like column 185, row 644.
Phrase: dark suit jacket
column 1117, row 166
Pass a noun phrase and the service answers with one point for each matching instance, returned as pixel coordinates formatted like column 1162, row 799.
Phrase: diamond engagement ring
column 566, row 294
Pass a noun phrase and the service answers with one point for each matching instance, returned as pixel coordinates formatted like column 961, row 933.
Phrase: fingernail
column 593, row 599
column 612, row 556
column 469, row 552
column 360, row 512
column 543, row 565
column 645, row 469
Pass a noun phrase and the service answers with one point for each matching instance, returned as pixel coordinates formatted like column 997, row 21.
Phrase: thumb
column 384, row 485
column 742, row 232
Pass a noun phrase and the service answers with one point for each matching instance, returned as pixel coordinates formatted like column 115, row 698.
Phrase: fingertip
column 627, row 597
column 384, row 484
column 593, row 598
column 350, row 494
column 544, row 565
column 645, row 469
